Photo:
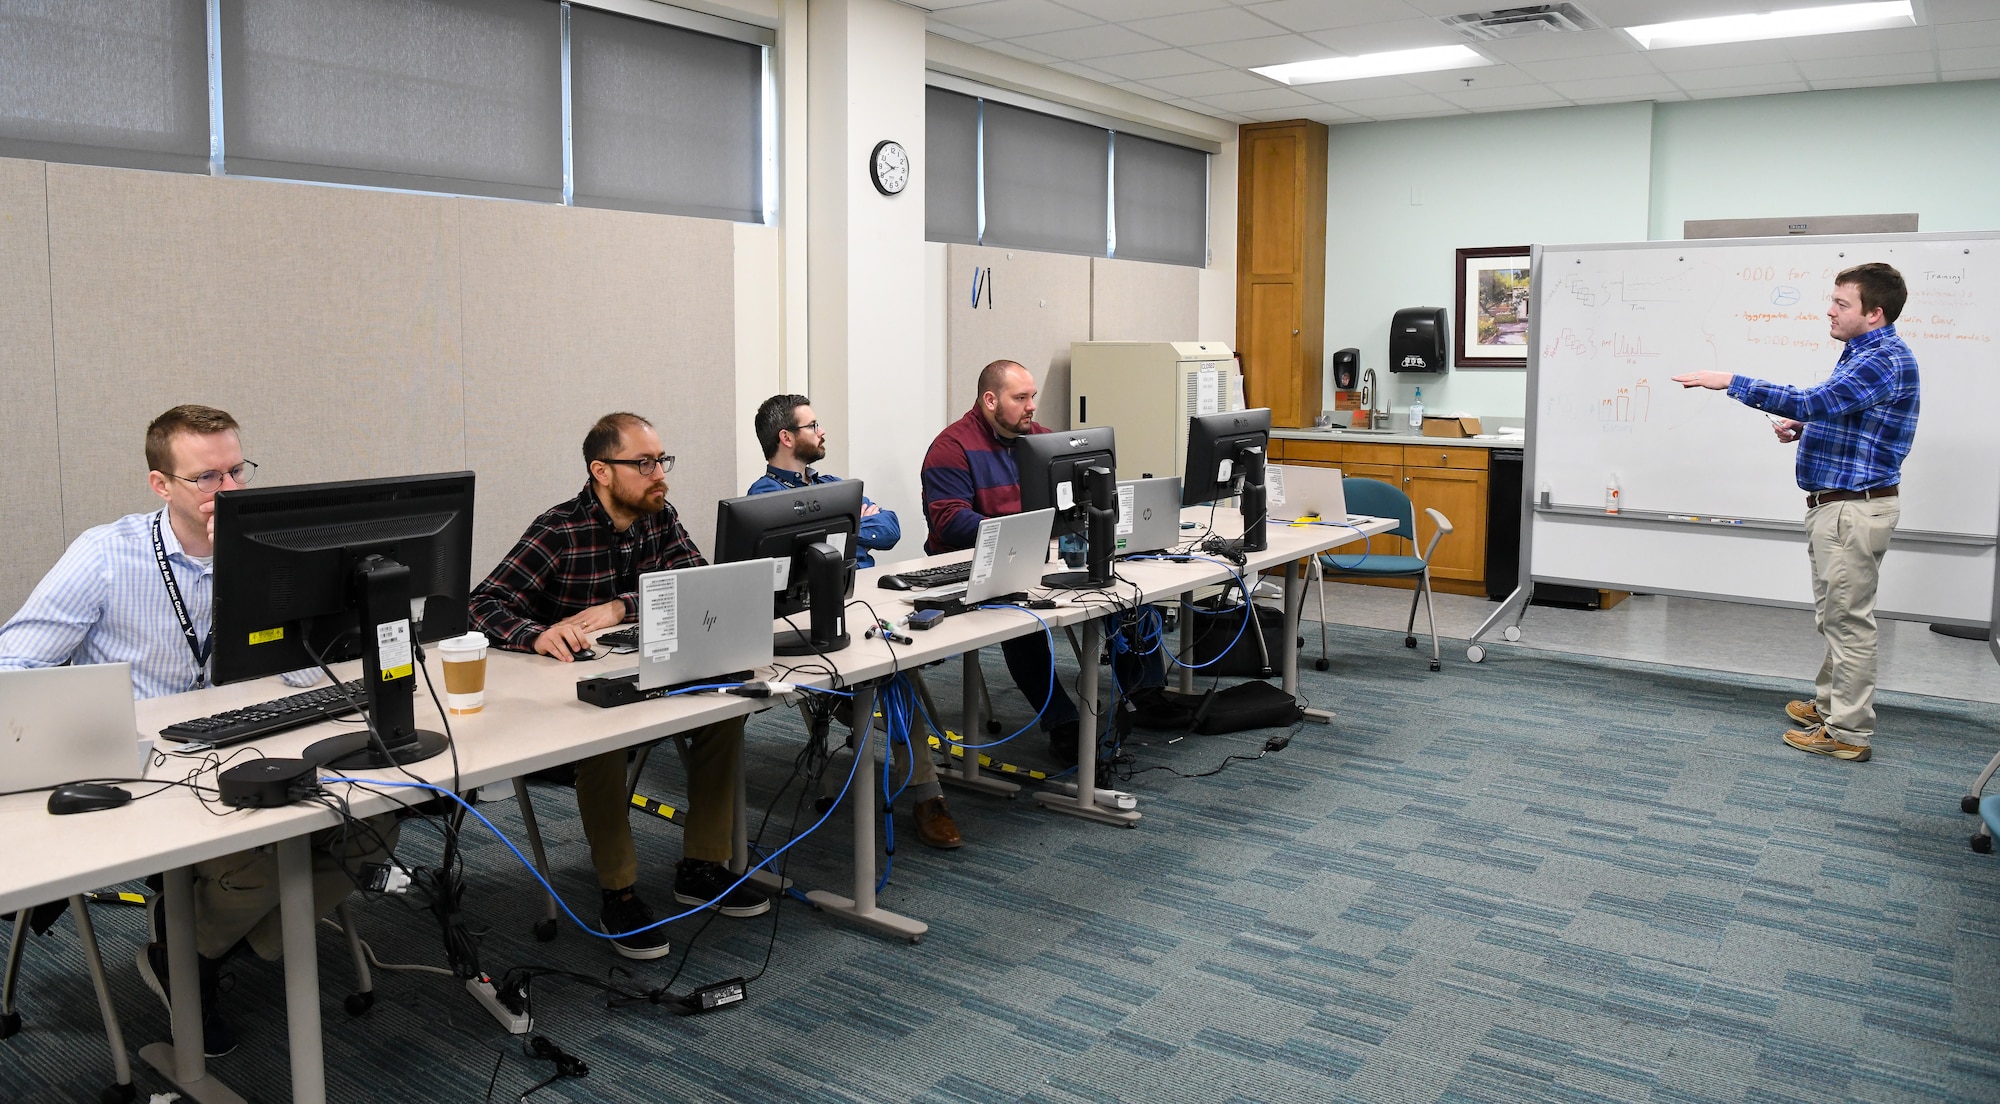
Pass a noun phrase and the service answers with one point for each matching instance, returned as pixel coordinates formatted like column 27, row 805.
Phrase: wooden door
column 1281, row 267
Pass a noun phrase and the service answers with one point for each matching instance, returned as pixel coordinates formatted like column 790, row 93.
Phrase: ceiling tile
column 1751, row 90
column 1977, row 57
column 1367, row 88
column 1958, row 11
column 1401, row 34
column 1453, row 80
column 1886, row 65
column 1211, row 84
column 1635, row 87
column 941, row 5
column 1402, row 105
column 1504, row 99
column 1156, row 63
column 1080, row 69
column 1588, row 68
column 1972, row 74
column 1013, row 18
column 1002, row 46
column 1674, row 96
column 1085, row 43
column 1568, row 44
column 1986, row 32
column 1318, row 15
column 1148, row 91
column 1200, row 108
column 1268, row 99
column 1195, row 28
column 960, row 33
column 1720, row 56
column 1274, row 50
column 1738, row 76
column 1125, row 11
column 1328, row 113
column 1903, row 40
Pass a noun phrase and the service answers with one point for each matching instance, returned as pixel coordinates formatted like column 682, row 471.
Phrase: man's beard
column 642, row 503
column 810, row 454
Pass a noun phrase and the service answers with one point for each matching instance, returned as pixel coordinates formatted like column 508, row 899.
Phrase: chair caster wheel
column 117, row 1094
column 1983, row 844
column 359, row 1003
column 992, row 727
column 1321, row 664
column 1436, row 666
column 10, row 1025
column 1969, row 806
column 1511, row 632
column 545, row 930
column 1409, row 642
column 1475, row 653
column 1302, row 643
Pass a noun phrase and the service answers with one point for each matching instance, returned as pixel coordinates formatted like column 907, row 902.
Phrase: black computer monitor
column 1075, row 473
column 795, row 526
column 368, row 568
column 1226, row 454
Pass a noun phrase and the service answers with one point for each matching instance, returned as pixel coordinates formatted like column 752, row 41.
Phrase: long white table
column 531, row 720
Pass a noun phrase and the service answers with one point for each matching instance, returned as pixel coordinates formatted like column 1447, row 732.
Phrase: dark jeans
column 1030, row 663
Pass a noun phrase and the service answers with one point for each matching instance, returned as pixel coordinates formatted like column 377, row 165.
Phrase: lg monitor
column 812, row 532
column 324, row 572
column 1075, row 473
column 1226, row 455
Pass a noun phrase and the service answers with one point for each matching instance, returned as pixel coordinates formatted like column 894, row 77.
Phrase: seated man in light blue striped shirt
column 111, row 599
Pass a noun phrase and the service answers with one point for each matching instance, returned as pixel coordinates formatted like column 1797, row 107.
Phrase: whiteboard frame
column 1949, row 548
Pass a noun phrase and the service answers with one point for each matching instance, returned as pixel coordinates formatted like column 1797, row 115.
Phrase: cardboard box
column 1450, row 427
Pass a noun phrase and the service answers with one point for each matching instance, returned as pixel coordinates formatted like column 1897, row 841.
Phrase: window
column 951, row 154
column 1160, row 201
column 1046, row 180
column 105, row 83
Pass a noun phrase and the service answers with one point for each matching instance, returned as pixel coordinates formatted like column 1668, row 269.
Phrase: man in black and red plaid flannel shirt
column 574, row 571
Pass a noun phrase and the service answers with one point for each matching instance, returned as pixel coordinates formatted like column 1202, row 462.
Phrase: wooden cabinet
column 1281, row 266
column 1449, row 479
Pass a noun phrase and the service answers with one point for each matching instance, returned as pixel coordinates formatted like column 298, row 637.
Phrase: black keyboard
column 622, row 640
column 928, row 578
column 237, row 725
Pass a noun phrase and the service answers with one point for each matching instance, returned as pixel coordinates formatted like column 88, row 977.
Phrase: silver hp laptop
column 67, row 724
column 700, row 622
column 1007, row 558
column 1293, row 491
column 1149, row 515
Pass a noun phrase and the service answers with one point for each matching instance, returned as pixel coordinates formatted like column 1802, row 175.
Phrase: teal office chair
column 1378, row 499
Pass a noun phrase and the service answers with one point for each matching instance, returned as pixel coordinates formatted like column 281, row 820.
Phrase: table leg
column 860, row 909
column 1186, row 647
column 298, row 921
column 1084, row 802
column 180, row 1061
column 1295, row 607
column 966, row 773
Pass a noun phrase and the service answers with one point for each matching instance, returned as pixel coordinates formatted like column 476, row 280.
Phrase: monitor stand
column 387, row 637
column 826, row 595
column 1100, row 535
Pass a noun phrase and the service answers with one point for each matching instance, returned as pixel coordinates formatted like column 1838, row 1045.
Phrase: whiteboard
column 1611, row 324
column 1617, row 322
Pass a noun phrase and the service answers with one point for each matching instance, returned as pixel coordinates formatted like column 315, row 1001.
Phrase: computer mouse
column 83, row 797
column 893, row 582
column 582, row 654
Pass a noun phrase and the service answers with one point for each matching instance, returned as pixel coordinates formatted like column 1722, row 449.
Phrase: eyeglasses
column 647, row 465
column 802, row 428
column 209, row 482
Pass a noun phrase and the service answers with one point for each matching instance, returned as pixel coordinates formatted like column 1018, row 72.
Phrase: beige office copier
column 1146, row 390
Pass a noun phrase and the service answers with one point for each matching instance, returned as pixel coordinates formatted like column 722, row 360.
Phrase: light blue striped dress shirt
column 104, row 602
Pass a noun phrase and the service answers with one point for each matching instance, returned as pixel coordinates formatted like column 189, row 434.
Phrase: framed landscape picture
column 1491, row 322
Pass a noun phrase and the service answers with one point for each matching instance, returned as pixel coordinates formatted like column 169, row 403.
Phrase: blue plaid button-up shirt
column 1859, row 422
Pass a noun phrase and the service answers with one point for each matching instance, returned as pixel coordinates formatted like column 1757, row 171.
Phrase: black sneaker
column 623, row 911
column 700, row 882
column 217, row 1037
column 1062, row 743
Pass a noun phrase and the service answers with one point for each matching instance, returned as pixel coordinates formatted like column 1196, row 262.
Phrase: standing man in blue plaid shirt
column 1853, row 431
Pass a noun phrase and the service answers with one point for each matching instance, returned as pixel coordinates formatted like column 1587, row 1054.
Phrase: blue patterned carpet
column 1541, row 878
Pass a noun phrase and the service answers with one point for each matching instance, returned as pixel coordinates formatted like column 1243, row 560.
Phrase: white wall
column 1217, row 289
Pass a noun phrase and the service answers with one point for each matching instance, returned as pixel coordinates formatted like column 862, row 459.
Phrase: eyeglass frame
column 798, row 429
column 242, row 480
column 663, row 464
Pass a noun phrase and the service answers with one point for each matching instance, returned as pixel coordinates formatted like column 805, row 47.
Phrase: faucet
column 1368, row 389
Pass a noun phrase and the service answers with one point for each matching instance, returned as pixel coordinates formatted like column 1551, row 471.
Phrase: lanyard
column 196, row 645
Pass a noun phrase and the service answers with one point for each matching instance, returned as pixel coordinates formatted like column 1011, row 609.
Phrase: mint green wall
column 1935, row 150
column 1571, row 174
column 1627, row 172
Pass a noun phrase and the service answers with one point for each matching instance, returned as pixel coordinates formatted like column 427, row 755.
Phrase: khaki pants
column 603, row 798
column 1846, row 541
column 236, row 896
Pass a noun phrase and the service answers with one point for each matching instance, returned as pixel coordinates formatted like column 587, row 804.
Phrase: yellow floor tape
column 659, row 809
column 987, row 762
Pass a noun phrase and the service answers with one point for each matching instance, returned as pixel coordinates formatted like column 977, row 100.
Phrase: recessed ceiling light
column 1427, row 60
column 1795, row 23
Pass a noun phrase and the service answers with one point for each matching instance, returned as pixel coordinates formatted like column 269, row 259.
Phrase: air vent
column 1489, row 26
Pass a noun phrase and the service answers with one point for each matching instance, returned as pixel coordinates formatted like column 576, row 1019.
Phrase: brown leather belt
column 1818, row 498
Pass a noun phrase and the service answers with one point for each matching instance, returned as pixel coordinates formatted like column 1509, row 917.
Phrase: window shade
column 665, row 119
column 1161, row 195
column 440, row 95
column 105, row 83
column 1047, row 182
column 951, row 164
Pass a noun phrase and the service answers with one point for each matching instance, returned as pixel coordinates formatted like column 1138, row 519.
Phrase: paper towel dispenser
column 1417, row 340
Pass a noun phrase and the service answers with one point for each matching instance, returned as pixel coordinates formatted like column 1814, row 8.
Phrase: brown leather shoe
column 935, row 826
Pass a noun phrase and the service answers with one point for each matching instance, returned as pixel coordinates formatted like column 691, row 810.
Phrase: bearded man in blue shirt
column 1854, row 430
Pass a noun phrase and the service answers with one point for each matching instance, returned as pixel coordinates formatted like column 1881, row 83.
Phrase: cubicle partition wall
column 354, row 334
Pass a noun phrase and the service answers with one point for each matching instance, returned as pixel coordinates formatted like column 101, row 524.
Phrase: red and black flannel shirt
column 570, row 559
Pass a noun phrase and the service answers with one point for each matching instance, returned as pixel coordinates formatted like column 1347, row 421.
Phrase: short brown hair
column 994, row 375
column 1880, row 286
column 603, row 438
column 199, row 421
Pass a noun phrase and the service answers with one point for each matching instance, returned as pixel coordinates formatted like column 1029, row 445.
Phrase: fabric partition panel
column 1137, row 301
column 28, row 386
column 1032, row 306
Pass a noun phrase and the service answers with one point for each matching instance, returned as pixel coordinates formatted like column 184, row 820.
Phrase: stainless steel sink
column 1347, row 432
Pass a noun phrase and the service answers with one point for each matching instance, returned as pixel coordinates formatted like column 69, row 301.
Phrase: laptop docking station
column 607, row 693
